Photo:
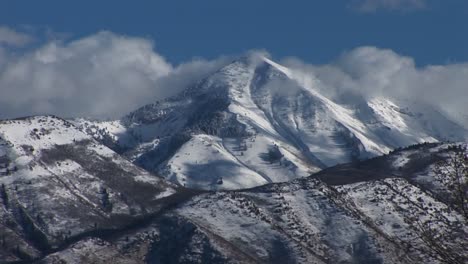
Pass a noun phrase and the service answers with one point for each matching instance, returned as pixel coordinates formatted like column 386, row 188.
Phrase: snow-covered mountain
column 398, row 213
column 66, row 198
column 254, row 122
column 58, row 183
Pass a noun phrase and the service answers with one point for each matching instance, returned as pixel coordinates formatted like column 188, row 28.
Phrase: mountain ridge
column 67, row 198
column 252, row 105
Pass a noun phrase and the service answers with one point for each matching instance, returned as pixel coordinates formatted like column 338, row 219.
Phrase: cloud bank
column 100, row 76
column 106, row 75
column 369, row 6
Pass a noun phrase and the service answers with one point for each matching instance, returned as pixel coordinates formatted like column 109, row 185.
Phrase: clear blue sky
column 317, row 31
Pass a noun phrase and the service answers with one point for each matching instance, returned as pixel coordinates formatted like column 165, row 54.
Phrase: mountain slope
column 386, row 219
column 268, row 124
column 58, row 183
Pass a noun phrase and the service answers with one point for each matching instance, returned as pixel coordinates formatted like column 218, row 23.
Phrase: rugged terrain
column 68, row 199
column 58, row 183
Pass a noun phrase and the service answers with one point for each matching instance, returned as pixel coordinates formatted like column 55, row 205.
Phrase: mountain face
column 255, row 122
column 58, row 184
column 398, row 212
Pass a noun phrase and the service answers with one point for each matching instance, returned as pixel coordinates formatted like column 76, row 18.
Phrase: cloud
column 369, row 72
column 94, row 76
column 101, row 76
column 369, row 6
column 106, row 75
column 11, row 37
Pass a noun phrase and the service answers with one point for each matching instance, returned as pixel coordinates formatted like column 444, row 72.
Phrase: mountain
column 400, row 212
column 254, row 122
column 58, row 184
column 66, row 198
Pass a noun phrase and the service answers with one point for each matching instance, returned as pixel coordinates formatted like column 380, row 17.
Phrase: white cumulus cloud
column 102, row 76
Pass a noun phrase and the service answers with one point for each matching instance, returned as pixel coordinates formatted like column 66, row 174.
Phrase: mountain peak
column 248, row 119
column 278, row 67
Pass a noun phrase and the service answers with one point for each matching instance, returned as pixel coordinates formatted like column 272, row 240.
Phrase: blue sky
column 430, row 31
